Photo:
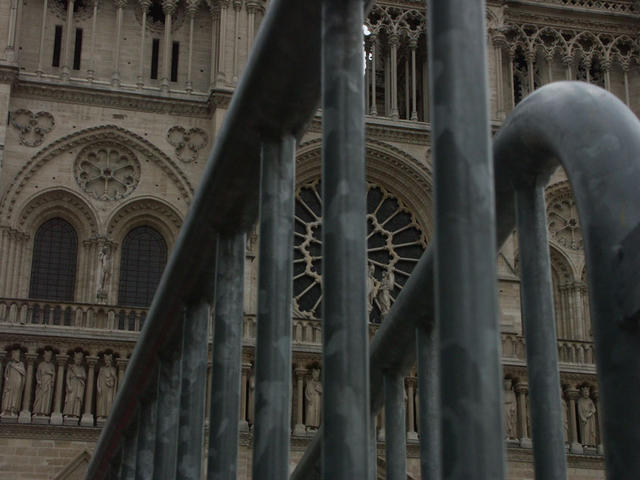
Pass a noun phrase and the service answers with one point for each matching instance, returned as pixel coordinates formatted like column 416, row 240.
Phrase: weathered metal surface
column 395, row 427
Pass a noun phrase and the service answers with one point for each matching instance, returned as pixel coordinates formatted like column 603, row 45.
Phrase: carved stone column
column 573, row 394
column 237, row 6
column 625, row 73
column 192, row 9
column 222, row 42
column 115, row 77
column 122, row 366
column 530, row 57
column 144, row 6
column 43, row 27
column 91, row 72
column 596, row 397
column 549, row 59
column 169, row 8
column 568, row 62
column 67, row 41
column 394, row 42
column 244, row 400
column 522, row 389
column 25, row 413
column 87, row 416
column 411, row 408
column 299, row 428
column 373, row 104
column 214, row 10
column 56, row 416
column 3, row 354
column 10, row 50
column 414, row 108
column 252, row 8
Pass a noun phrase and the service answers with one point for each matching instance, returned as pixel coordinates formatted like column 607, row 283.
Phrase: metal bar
column 540, row 331
column 345, row 334
column 465, row 244
column 147, row 432
column 128, row 468
column 395, row 427
column 275, row 293
column 429, row 403
column 227, row 356
column 193, row 390
column 170, row 379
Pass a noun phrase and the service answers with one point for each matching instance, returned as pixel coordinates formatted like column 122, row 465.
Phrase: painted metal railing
column 446, row 317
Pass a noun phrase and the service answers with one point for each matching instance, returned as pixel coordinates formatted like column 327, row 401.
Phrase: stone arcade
column 112, row 107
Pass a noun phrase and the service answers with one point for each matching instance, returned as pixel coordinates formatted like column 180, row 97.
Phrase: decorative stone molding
column 187, row 143
column 145, row 206
column 562, row 218
column 107, row 171
column 81, row 11
column 32, row 127
column 157, row 27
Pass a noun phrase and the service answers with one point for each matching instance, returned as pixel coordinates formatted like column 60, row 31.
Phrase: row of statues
column 585, row 414
column 75, row 380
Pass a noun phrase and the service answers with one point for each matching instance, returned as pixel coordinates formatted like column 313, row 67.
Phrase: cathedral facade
column 112, row 108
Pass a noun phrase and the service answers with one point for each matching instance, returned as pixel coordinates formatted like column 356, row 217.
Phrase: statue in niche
column 313, row 399
column 384, row 291
column 372, row 287
column 510, row 411
column 106, row 387
column 76, row 380
column 45, row 376
column 14, row 379
column 565, row 420
column 104, row 272
column 586, row 415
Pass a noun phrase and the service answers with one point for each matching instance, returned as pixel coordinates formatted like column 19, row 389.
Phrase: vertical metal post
column 395, row 427
column 429, row 403
column 194, row 384
column 346, row 406
column 128, row 465
column 540, row 333
column 147, row 432
column 227, row 355
column 275, row 293
column 470, row 372
column 170, row 378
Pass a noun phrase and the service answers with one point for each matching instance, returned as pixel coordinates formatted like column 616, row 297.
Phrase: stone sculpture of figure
column 510, row 411
column 586, row 414
column 106, row 387
column 313, row 398
column 384, row 291
column 565, row 420
column 104, row 270
column 372, row 287
column 45, row 376
column 76, row 379
column 14, row 375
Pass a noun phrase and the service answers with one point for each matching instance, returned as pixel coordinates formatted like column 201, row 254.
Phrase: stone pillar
column 549, row 60
column 25, row 413
column 3, row 354
column 414, row 109
column 56, row 415
column 169, row 8
column 299, row 428
column 512, row 88
column 91, row 72
column 87, row 416
column 522, row 389
column 43, row 26
column 567, row 60
column 10, row 50
column 606, row 68
column 222, row 42
column 237, row 6
column 573, row 394
column 252, row 8
column 214, row 10
column 244, row 425
column 373, row 104
column 411, row 408
column 144, row 6
column 625, row 72
column 530, row 57
column 122, row 366
column 394, row 42
column 596, row 397
column 192, row 9
column 67, row 41
column 115, row 77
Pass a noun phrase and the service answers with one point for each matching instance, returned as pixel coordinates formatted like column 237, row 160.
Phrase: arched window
column 53, row 268
column 144, row 255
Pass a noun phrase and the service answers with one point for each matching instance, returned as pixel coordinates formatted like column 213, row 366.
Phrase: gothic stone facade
column 111, row 109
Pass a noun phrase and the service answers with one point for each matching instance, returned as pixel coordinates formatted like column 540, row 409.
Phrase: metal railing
column 445, row 318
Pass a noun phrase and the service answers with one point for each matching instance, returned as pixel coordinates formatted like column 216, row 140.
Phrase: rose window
column 563, row 222
column 395, row 242
column 106, row 171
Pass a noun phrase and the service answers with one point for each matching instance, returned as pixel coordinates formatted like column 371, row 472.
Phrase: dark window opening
column 175, row 55
column 144, row 255
column 155, row 50
column 53, row 268
column 77, row 49
column 156, row 12
column 57, row 45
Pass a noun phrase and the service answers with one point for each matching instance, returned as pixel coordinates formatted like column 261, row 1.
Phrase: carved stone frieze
column 562, row 219
column 32, row 127
column 107, row 171
column 187, row 143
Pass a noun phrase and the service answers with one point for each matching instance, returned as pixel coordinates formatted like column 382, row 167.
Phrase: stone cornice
column 104, row 96
column 8, row 72
column 49, row 432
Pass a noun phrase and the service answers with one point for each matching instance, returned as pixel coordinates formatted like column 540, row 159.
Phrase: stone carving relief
column 587, row 417
column 32, row 127
column 45, row 376
column 103, row 275
column 74, row 391
column 14, row 380
column 562, row 218
column 395, row 243
column 188, row 143
column 106, row 387
column 510, row 411
column 313, row 400
column 107, row 171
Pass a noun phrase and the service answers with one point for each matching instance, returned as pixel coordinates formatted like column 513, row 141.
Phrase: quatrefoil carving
column 188, row 143
column 32, row 127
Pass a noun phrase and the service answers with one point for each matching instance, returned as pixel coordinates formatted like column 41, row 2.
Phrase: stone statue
column 104, row 271
column 510, row 411
column 45, row 376
column 106, row 387
column 76, row 379
column 313, row 398
column 384, row 291
column 372, row 287
column 14, row 379
column 586, row 414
